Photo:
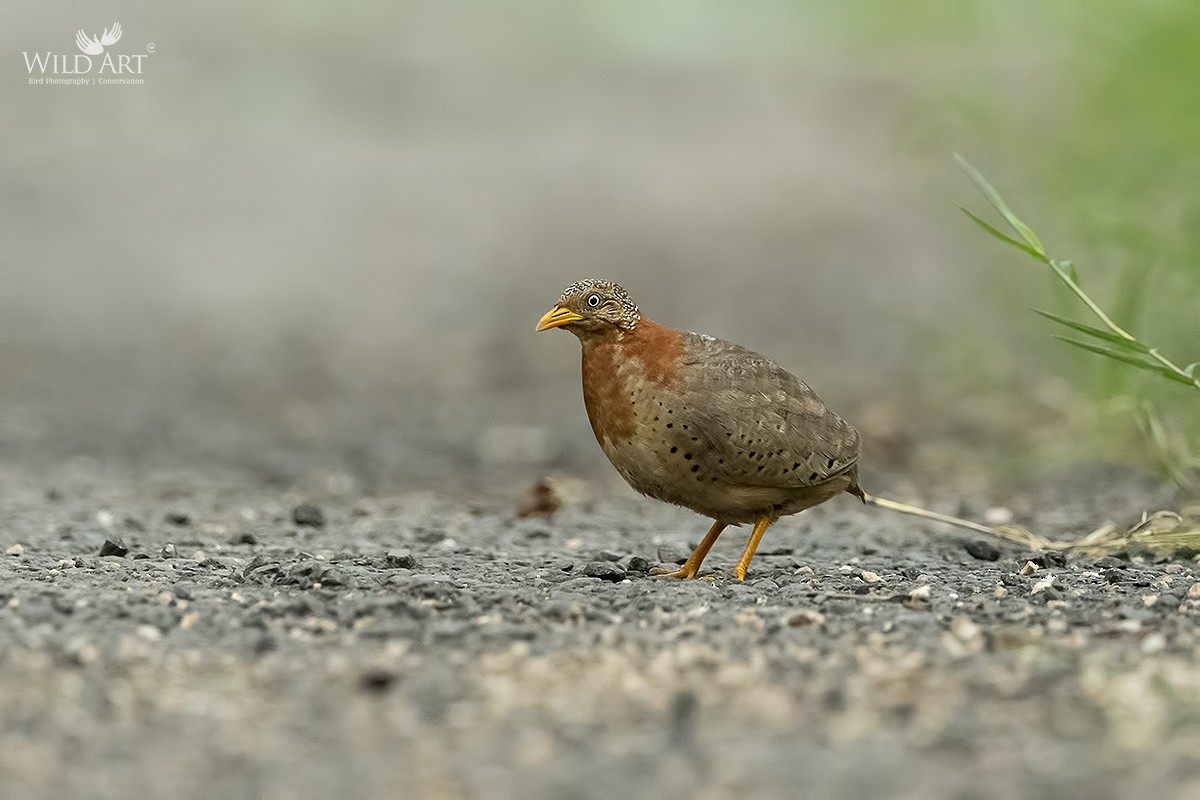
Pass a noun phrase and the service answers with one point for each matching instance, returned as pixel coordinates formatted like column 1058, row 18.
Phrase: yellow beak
column 556, row 318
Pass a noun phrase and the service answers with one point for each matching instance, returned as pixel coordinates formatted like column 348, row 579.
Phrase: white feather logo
column 96, row 44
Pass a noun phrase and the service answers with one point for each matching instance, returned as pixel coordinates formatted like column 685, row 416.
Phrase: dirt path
column 420, row 646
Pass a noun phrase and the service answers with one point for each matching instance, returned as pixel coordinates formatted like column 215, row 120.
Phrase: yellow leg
column 756, row 535
column 691, row 567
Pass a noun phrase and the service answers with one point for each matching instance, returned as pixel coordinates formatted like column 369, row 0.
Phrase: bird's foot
column 684, row 573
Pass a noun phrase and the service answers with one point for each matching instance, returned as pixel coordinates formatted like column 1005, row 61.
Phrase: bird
column 703, row 423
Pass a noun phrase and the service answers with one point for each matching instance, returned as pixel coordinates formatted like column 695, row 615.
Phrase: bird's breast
column 626, row 376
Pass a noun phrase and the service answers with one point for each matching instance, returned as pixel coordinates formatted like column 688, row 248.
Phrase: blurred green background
column 315, row 241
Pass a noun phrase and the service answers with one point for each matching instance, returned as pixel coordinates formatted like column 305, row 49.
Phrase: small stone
column 921, row 594
column 804, row 617
column 981, row 549
column 246, row 537
column 113, row 547
column 149, row 633
column 607, row 555
column 638, row 564
column 1050, row 558
column 1028, row 569
column 177, row 517
column 400, row 559
column 542, row 500
column 968, row 633
column 1193, row 593
column 308, row 514
column 605, row 571
column 168, row 551
column 869, row 577
column 1042, row 585
column 1154, row 643
column 334, row 577
column 376, row 681
column 998, row 515
column 15, row 550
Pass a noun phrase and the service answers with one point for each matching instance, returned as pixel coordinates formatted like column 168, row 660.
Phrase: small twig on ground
column 1162, row 530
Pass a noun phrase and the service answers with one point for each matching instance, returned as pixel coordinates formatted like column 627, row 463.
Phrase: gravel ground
column 192, row 636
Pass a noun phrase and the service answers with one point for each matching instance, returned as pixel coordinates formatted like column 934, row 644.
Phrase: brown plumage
column 703, row 423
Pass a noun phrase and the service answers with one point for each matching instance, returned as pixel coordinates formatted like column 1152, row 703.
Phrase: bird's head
column 592, row 306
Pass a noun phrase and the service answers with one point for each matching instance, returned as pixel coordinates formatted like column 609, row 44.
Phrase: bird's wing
column 111, row 35
column 760, row 425
column 91, row 47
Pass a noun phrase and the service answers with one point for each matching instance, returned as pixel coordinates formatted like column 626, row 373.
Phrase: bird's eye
column 593, row 300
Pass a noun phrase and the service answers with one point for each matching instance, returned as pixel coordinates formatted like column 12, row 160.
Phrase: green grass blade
column 1129, row 359
column 1104, row 351
column 1003, row 237
column 1132, row 345
column 1025, row 232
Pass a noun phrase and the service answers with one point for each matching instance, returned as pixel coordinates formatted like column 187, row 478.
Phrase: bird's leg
column 691, row 567
column 756, row 535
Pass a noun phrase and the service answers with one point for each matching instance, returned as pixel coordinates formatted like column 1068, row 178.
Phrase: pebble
column 638, row 564
column 1028, row 569
column 177, row 517
column 804, row 617
column 542, row 500
column 308, row 514
column 998, row 515
column 982, row 549
column 376, row 681
column 605, row 571
column 113, row 547
column 921, row 593
column 1042, row 585
column 15, row 550
column 400, row 559
column 168, row 551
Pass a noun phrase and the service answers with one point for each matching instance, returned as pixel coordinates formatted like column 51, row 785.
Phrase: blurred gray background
column 318, row 237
